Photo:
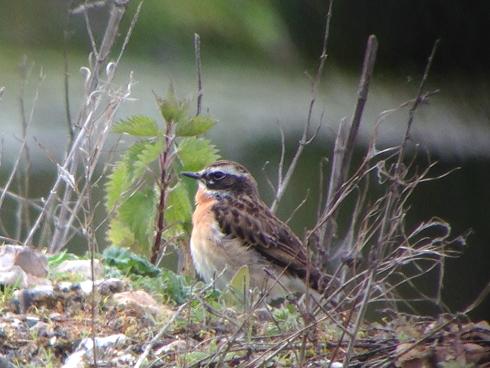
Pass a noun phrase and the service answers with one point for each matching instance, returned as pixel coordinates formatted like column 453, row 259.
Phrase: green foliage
column 132, row 196
column 195, row 357
column 171, row 108
column 179, row 210
column 119, row 233
column 195, row 153
column 129, row 262
column 140, row 155
column 456, row 364
column 196, row 125
column 138, row 126
column 117, row 184
column 171, row 287
column 286, row 318
column 58, row 258
column 138, row 212
column 255, row 27
column 6, row 295
column 238, row 289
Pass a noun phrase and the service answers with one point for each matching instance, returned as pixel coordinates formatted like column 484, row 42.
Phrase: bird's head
column 225, row 178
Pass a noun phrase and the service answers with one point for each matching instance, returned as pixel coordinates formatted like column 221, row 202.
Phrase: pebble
column 85, row 348
column 24, row 298
column 81, row 267
column 173, row 347
column 22, row 266
column 31, row 320
column 141, row 301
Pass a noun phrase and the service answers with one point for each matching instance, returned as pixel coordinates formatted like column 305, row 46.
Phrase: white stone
column 176, row 346
column 81, row 267
column 106, row 342
column 75, row 360
column 22, row 266
column 14, row 276
column 140, row 300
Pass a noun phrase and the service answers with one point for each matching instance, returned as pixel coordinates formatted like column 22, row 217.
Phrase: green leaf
column 171, row 108
column 196, row 153
column 117, row 184
column 168, row 285
column 174, row 286
column 129, row 262
column 59, row 258
column 138, row 126
column 140, row 155
column 179, row 210
column 196, row 125
column 138, row 213
column 119, row 233
column 195, row 357
column 149, row 153
column 238, row 289
column 241, row 280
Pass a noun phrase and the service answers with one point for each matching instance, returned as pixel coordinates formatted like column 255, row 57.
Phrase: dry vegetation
column 378, row 252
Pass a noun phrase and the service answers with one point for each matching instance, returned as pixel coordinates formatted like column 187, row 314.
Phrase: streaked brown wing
column 253, row 222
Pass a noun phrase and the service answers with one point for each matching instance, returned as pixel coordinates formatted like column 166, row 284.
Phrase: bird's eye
column 217, row 175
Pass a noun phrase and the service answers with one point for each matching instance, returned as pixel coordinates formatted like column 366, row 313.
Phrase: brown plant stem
column 283, row 181
column 165, row 161
column 197, row 51
column 344, row 147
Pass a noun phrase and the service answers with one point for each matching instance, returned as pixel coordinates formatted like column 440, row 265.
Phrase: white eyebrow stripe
column 228, row 169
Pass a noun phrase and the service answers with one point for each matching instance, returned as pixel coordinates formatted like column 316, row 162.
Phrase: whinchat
column 233, row 227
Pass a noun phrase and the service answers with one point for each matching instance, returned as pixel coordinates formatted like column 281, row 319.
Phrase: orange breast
column 202, row 214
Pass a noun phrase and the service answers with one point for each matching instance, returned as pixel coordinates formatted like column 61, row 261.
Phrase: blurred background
column 257, row 57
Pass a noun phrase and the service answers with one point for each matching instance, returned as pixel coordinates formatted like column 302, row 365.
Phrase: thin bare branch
column 362, row 94
column 66, row 76
column 298, row 207
column 87, row 6
column 283, row 182
column 129, row 32
column 197, row 52
column 91, row 124
column 418, row 100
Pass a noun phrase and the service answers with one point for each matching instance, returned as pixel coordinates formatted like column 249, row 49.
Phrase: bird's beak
column 190, row 174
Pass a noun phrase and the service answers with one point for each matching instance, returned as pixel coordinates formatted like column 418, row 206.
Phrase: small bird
column 233, row 227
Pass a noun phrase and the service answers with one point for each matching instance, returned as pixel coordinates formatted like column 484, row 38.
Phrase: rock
column 86, row 287
column 4, row 363
column 83, row 353
column 31, row 261
column 24, row 298
column 13, row 276
column 81, row 267
column 31, row 320
column 176, row 346
column 42, row 329
column 22, row 266
column 56, row 317
column 104, row 287
column 326, row 363
column 103, row 343
column 75, row 360
column 111, row 286
column 67, row 293
column 125, row 360
column 65, row 286
column 142, row 302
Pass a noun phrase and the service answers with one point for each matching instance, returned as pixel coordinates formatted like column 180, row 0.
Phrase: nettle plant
column 149, row 206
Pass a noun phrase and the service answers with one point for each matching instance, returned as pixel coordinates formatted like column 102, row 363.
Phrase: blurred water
column 249, row 101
